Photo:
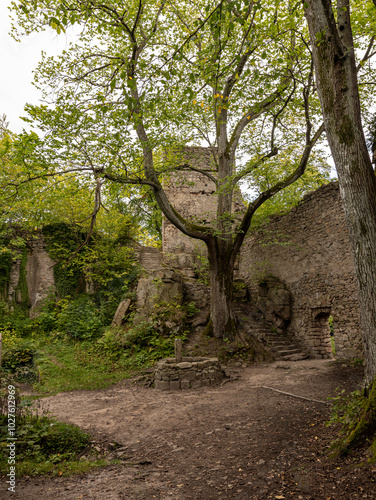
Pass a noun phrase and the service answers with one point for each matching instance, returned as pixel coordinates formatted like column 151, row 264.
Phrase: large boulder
column 164, row 285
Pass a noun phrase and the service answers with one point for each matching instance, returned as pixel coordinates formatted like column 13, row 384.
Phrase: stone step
column 285, row 348
column 282, row 347
column 288, row 351
column 295, row 357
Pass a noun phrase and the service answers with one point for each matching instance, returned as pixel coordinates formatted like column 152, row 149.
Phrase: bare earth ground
column 235, row 441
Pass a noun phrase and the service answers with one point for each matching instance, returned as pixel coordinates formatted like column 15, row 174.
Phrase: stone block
column 121, row 312
column 175, row 385
column 188, row 375
column 185, row 365
column 185, row 384
column 195, row 384
column 162, row 385
column 209, row 362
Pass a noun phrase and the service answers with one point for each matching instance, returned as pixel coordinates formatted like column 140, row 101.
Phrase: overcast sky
column 17, row 63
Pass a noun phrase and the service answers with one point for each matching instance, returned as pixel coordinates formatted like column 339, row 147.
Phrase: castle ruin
column 298, row 268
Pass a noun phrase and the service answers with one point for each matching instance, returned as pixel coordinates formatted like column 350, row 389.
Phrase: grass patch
column 49, row 353
column 66, row 366
column 41, row 445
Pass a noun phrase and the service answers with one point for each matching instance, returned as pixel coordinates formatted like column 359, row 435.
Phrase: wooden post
column 178, row 351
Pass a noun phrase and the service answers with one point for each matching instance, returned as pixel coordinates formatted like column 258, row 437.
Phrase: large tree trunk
column 336, row 75
column 222, row 316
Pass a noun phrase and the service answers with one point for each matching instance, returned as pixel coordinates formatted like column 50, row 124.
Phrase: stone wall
column 190, row 373
column 190, row 192
column 39, row 274
column 307, row 252
column 313, row 257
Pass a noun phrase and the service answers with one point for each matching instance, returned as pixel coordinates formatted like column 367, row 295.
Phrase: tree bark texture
column 221, row 289
column 336, row 75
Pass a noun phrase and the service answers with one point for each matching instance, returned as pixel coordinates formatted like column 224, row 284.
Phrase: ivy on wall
column 5, row 267
column 12, row 246
column 108, row 264
column 22, row 289
column 62, row 240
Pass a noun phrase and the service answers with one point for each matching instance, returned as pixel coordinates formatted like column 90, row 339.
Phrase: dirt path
column 235, row 441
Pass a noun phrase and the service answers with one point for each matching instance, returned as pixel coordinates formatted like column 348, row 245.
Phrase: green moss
column 208, row 332
column 230, row 330
column 359, row 422
column 365, row 427
column 22, row 282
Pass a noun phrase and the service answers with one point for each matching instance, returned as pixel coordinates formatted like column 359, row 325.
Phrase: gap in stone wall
column 319, row 337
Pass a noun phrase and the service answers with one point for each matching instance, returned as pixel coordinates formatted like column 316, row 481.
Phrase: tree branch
column 42, row 176
column 255, row 111
column 250, row 169
column 367, row 55
column 127, row 180
column 279, row 186
column 186, row 166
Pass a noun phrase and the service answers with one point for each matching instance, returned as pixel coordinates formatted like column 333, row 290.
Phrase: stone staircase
column 284, row 348
column 280, row 346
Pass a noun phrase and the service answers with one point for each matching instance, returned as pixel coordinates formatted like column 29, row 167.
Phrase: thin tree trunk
column 336, row 75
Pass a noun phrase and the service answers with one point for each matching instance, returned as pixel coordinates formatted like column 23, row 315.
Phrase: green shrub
column 42, row 436
column 191, row 309
column 345, row 409
column 5, row 381
column 17, row 322
column 111, row 343
column 139, row 335
column 20, row 355
column 39, row 439
column 80, row 319
column 46, row 322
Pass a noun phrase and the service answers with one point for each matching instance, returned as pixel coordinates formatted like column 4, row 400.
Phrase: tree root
column 294, row 395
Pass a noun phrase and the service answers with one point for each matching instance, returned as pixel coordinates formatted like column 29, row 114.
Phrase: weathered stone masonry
column 191, row 193
column 39, row 274
column 190, row 373
column 314, row 259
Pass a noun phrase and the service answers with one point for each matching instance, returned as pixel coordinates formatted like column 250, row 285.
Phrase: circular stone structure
column 189, row 373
